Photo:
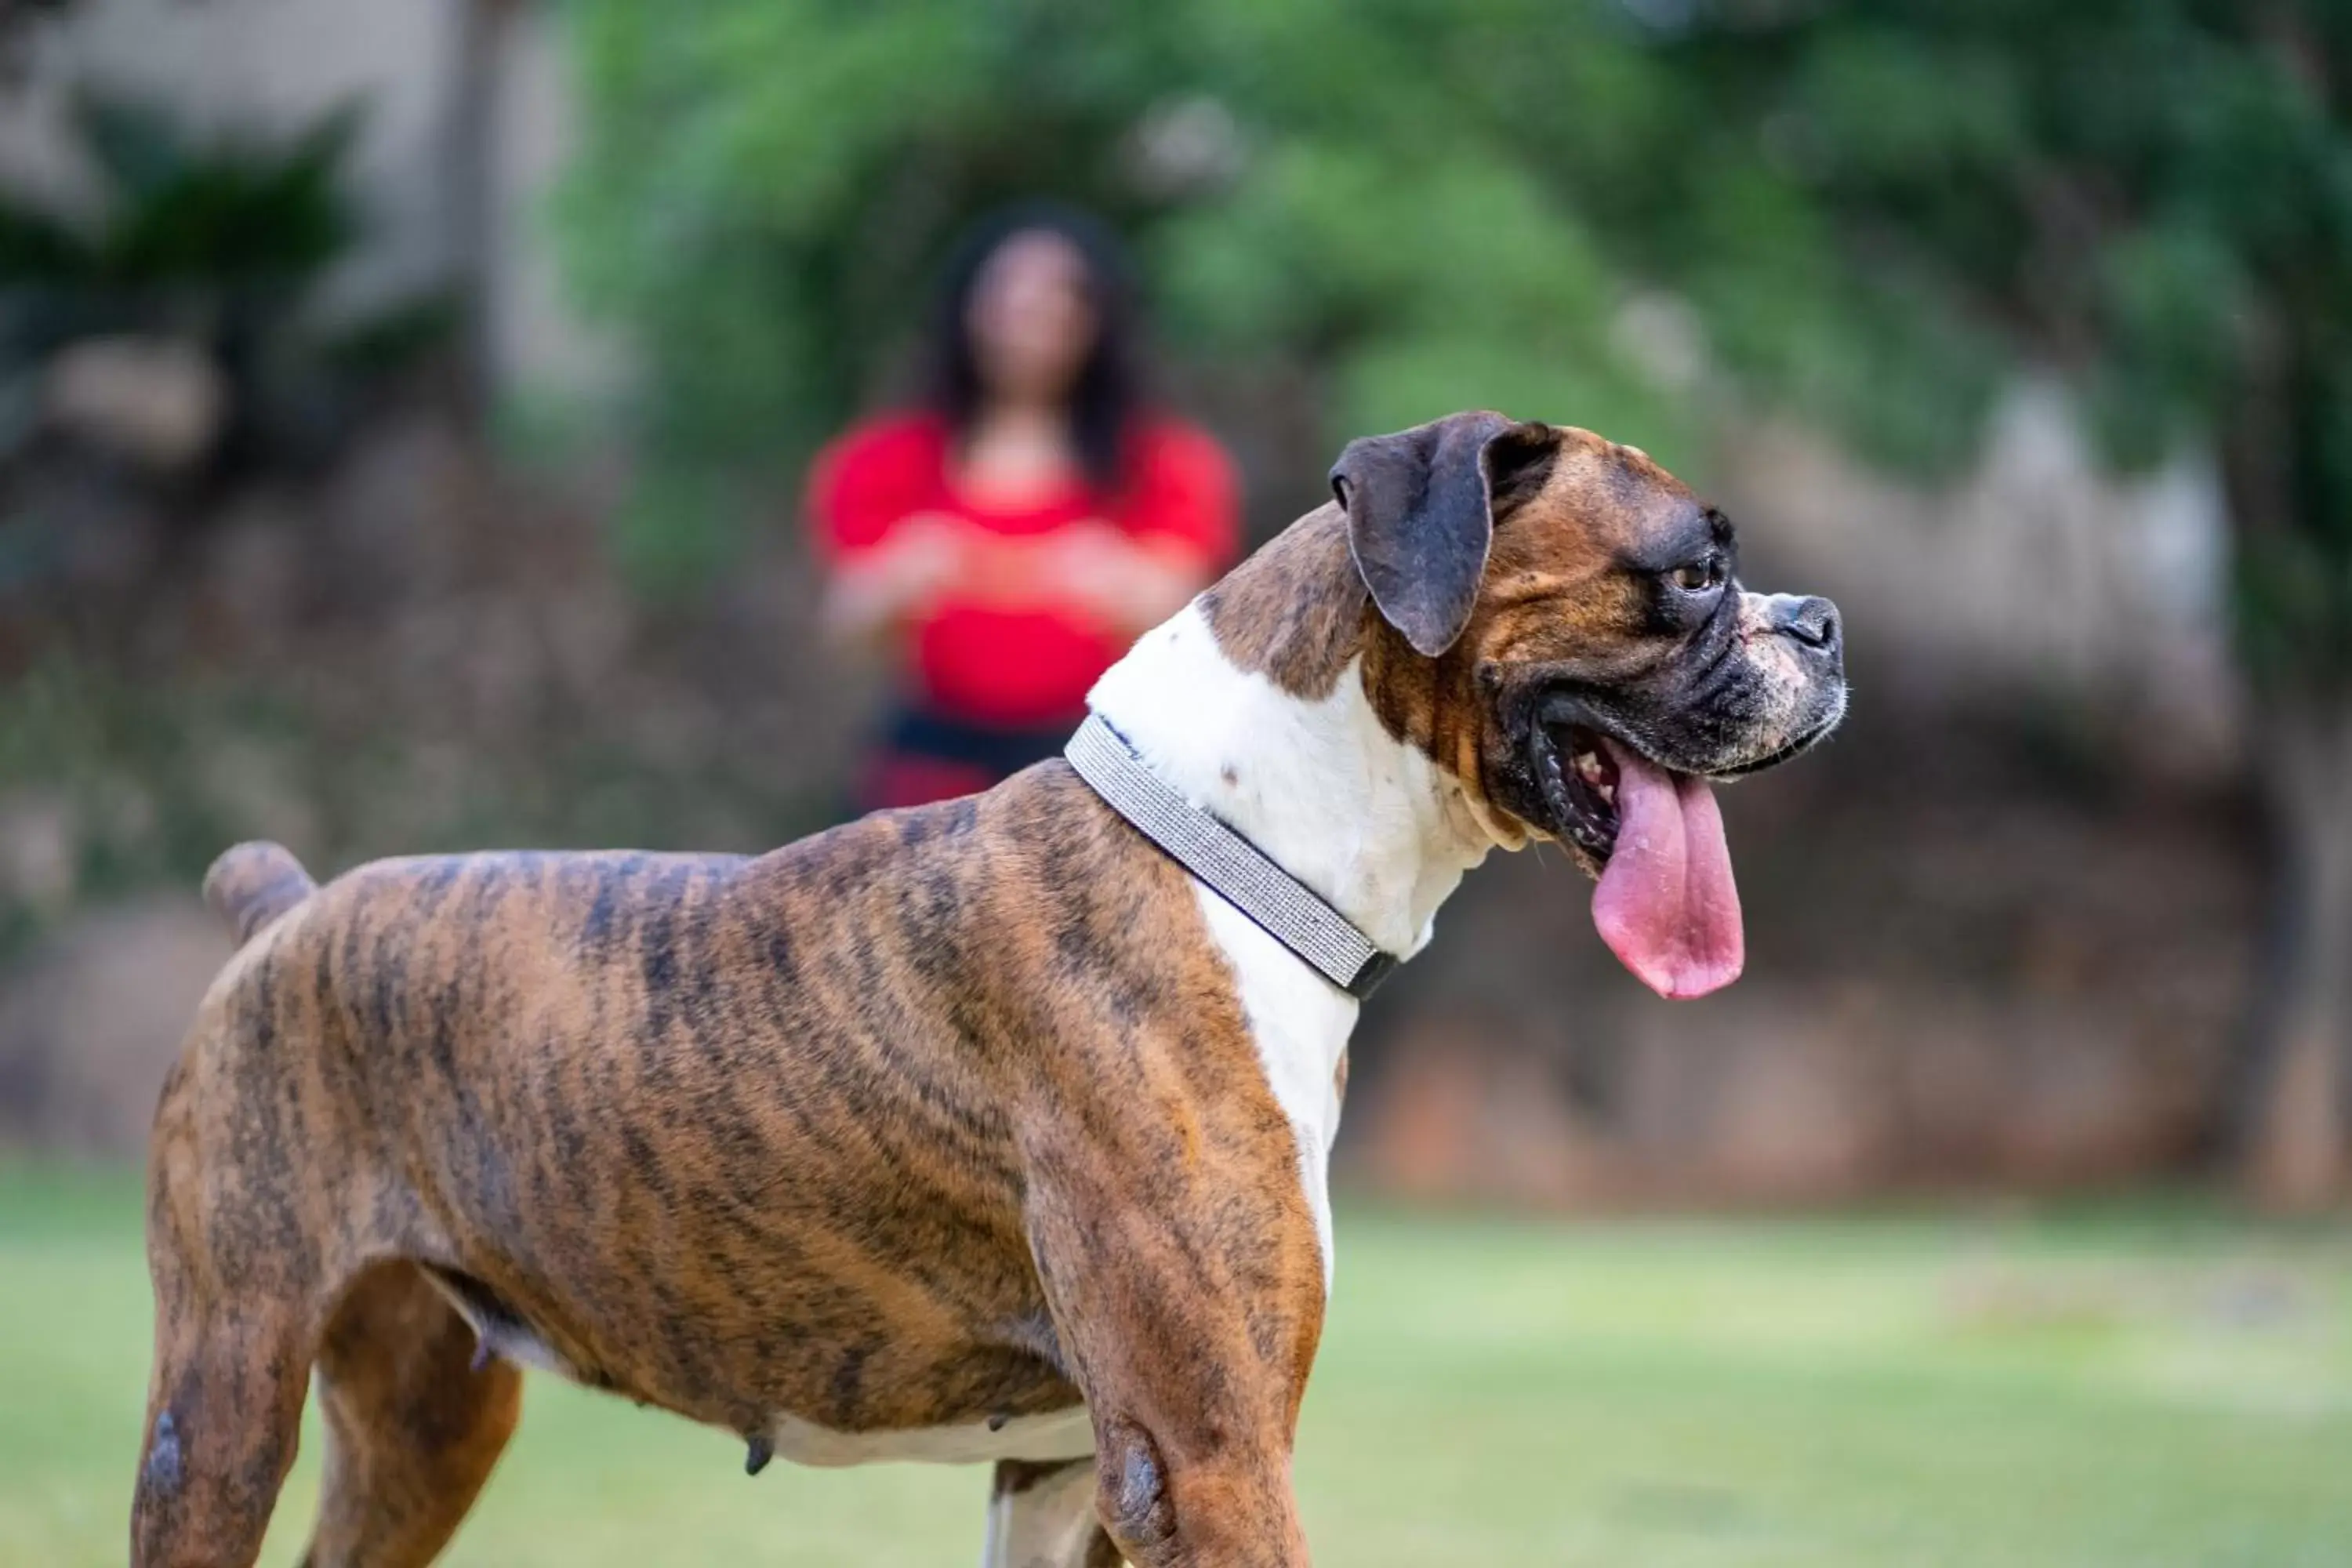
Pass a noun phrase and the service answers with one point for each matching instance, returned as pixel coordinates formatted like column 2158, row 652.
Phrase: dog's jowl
column 985, row 1131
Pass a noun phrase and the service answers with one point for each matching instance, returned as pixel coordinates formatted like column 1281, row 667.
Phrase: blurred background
column 408, row 417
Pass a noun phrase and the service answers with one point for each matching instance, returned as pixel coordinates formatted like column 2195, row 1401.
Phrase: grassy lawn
column 2143, row 1388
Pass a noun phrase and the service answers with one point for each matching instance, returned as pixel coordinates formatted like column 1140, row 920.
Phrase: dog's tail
column 253, row 884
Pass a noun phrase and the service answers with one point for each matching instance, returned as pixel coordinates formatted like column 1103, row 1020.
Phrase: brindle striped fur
column 942, row 1115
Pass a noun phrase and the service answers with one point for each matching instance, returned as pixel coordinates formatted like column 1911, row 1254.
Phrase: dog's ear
column 1421, row 514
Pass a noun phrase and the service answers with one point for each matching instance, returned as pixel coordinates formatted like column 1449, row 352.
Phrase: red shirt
column 1028, row 667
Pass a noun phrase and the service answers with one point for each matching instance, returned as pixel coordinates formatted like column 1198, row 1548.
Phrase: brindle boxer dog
column 976, row 1132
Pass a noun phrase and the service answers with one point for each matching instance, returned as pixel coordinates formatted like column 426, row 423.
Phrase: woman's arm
column 1125, row 585
column 1178, row 531
column 887, row 553
column 874, row 593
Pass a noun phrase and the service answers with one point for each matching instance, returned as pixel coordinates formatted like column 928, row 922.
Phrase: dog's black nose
column 1813, row 621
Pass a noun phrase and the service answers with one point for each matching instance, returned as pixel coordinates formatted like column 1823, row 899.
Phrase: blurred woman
column 1009, row 539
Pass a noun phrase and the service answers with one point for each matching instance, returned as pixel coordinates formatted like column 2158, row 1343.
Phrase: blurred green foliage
column 2152, row 196
column 221, row 241
column 56, row 719
column 1439, row 203
column 764, row 196
column 1875, row 211
column 251, row 216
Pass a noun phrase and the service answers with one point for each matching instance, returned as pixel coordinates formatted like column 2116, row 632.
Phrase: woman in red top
column 1010, row 540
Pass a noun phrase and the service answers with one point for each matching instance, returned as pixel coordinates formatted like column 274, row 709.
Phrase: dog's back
column 674, row 1125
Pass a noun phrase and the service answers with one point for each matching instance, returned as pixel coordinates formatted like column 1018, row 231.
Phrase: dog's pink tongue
column 1666, row 905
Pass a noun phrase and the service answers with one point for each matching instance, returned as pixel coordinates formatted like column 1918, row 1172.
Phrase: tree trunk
column 469, row 151
column 2293, row 1099
column 2287, row 1109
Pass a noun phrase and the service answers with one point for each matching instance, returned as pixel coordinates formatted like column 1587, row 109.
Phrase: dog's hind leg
column 222, row 1424
column 413, row 1426
column 225, row 1400
column 1043, row 1516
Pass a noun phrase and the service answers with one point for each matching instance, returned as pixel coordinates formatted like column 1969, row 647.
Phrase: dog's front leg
column 1187, row 1296
column 1043, row 1516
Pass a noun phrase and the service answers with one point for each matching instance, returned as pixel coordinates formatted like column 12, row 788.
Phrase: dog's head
column 1562, row 625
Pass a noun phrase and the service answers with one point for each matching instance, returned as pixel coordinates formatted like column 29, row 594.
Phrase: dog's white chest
column 1320, row 786
column 1300, row 1022
column 1063, row 1435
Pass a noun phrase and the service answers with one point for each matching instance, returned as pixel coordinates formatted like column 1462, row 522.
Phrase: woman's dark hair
column 1107, row 390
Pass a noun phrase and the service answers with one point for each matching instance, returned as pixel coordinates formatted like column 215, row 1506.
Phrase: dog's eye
column 1698, row 576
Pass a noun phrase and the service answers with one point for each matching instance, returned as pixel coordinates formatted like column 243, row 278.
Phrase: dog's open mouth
column 1579, row 783
column 1666, row 905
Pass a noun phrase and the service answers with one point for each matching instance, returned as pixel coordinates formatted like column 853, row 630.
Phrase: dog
column 985, row 1131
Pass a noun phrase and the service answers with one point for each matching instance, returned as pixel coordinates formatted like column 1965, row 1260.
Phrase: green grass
column 2150, row 1388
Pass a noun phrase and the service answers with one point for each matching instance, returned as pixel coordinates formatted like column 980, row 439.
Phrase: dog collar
column 1233, row 867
